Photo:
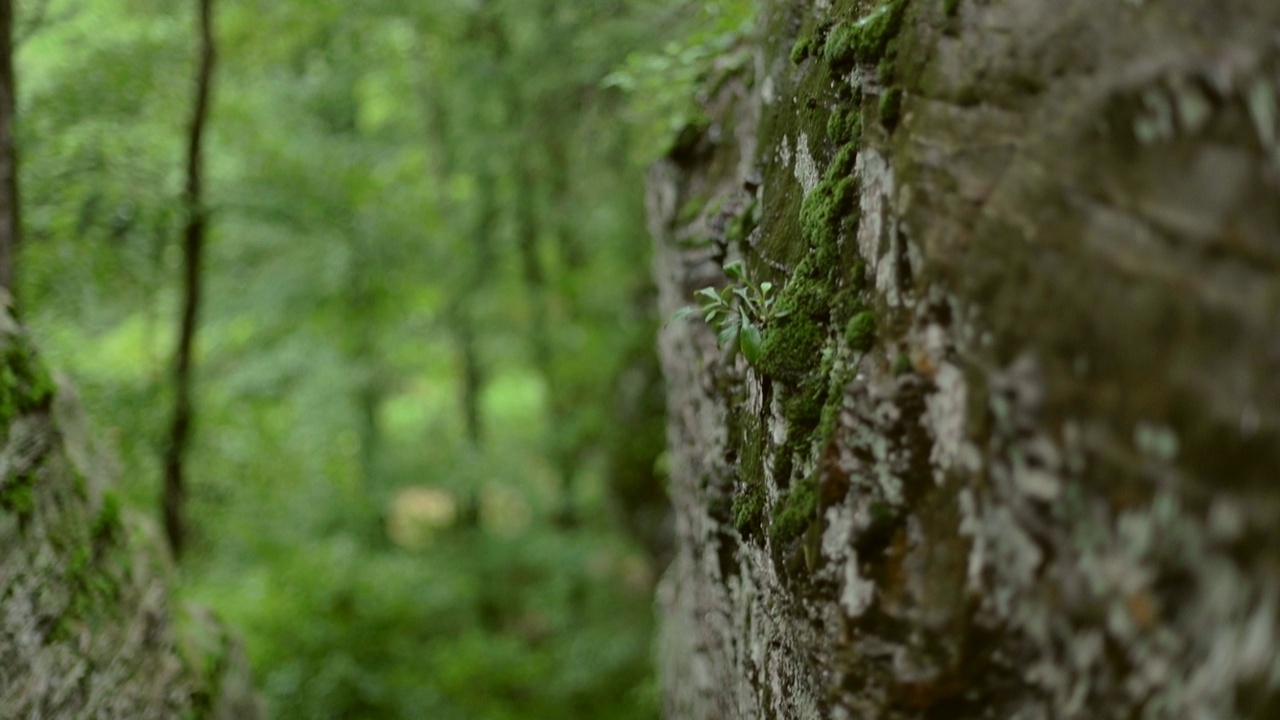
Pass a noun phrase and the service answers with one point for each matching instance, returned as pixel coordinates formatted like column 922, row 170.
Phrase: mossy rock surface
column 86, row 626
column 1027, row 254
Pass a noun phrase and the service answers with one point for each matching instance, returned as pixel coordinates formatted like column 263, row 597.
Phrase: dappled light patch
column 417, row 514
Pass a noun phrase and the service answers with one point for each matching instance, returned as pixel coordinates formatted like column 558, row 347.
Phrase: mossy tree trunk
column 1008, row 444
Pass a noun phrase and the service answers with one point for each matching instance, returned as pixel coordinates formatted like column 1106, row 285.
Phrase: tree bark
column 1010, row 451
column 192, row 259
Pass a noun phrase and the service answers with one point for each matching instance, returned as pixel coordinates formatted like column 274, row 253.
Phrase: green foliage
column 739, row 313
column 662, row 86
column 532, row 625
column 376, row 171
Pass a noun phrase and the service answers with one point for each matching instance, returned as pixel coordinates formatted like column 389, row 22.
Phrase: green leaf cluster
column 739, row 312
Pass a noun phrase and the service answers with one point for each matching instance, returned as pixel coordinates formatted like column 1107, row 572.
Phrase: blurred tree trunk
column 533, row 217
column 461, row 313
column 541, row 331
column 10, row 223
column 364, row 355
column 192, row 258
column 1011, row 450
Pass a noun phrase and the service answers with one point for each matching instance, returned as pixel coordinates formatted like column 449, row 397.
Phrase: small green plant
column 738, row 312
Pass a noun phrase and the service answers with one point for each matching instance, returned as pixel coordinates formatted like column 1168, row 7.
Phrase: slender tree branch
column 193, row 251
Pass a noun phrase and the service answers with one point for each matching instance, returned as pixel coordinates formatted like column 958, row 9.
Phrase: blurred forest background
column 425, row 479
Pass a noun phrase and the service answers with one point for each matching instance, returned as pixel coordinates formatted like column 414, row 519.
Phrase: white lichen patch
column 1261, row 99
column 971, row 527
column 945, row 420
column 1015, row 554
column 777, row 421
column 877, row 242
column 1158, row 441
column 1038, row 484
column 838, row 532
column 1155, row 123
column 806, row 170
column 889, row 483
column 1194, row 109
column 857, row 592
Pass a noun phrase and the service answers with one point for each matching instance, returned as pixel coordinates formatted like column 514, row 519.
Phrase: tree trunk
column 10, row 224
column 481, row 261
column 1009, row 445
column 192, row 257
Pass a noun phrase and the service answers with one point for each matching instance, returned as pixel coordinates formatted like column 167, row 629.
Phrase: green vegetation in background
column 425, row 469
column 663, row 84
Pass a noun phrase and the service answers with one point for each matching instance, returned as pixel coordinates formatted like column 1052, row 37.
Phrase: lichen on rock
column 1008, row 449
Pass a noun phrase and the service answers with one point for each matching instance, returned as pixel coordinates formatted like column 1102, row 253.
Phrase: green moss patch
column 107, row 525
column 792, row 347
column 888, row 66
column 902, row 364
column 891, row 107
column 748, row 509
column 844, row 127
column 864, row 40
column 793, row 513
column 25, row 386
column 743, row 224
column 19, row 495
column 802, row 50
column 25, row 383
column 861, row 331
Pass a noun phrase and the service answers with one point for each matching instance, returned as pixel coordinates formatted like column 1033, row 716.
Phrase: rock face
column 1008, row 439
column 87, row 629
